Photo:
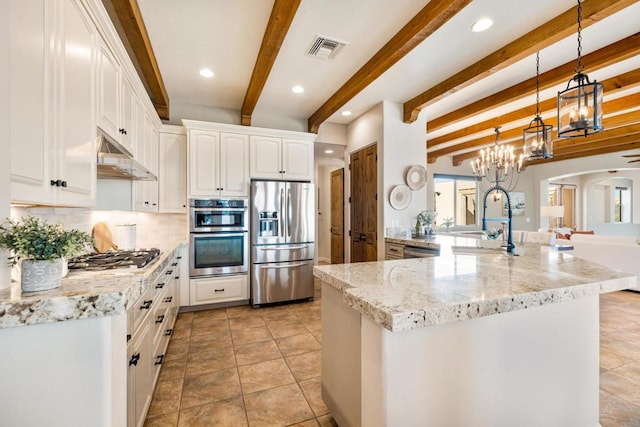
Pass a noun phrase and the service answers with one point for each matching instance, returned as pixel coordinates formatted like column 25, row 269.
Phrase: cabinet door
column 173, row 173
column 297, row 159
column 151, row 163
column 234, row 164
column 140, row 372
column 75, row 145
column 109, row 83
column 30, row 137
column 265, row 157
column 139, row 147
column 204, row 149
column 128, row 114
column 219, row 289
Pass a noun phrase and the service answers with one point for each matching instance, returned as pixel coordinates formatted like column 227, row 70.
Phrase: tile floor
column 244, row 367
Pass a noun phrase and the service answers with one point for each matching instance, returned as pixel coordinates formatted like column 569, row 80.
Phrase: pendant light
column 580, row 106
column 537, row 138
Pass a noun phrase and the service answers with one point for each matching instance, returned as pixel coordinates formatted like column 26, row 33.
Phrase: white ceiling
column 225, row 36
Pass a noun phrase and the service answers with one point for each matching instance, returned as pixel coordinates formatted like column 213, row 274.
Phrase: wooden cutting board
column 102, row 239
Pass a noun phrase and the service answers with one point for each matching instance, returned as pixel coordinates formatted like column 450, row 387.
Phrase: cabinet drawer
column 212, row 290
column 394, row 251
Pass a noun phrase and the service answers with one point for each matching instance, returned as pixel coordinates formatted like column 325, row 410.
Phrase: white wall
column 4, row 124
column 332, row 133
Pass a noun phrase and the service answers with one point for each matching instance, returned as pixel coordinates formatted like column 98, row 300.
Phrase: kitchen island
column 64, row 352
column 469, row 338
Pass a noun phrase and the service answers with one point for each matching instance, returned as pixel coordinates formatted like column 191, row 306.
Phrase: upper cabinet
column 218, row 163
column 281, row 158
column 172, row 171
column 109, row 90
column 53, row 127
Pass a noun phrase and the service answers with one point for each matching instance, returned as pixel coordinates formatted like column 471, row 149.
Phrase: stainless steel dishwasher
column 420, row 252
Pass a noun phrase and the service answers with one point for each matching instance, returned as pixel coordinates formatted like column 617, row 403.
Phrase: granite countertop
column 82, row 294
column 406, row 294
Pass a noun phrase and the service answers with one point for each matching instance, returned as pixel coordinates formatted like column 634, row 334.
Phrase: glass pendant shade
column 538, row 140
column 580, row 108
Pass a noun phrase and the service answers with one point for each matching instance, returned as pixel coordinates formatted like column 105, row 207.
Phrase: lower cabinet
column 394, row 251
column 211, row 290
column 153, row 317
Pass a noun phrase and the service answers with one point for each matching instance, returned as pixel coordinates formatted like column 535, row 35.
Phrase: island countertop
column 412, row 293
column 82, row 294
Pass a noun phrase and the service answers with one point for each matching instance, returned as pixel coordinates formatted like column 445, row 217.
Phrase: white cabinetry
column 172, row 170
column 146, row 192
column 52, row 94
column 109, row 99
column 219, row 289
column 281, row 158
column 218, row 163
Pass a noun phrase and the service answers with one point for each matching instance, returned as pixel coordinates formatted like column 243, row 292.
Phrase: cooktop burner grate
column 121, row 259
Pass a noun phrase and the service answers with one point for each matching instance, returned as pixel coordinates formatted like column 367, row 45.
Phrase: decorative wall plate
column 400, row 197
column 416, row 177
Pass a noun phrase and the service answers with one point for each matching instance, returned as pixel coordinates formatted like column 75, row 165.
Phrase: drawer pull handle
column 134, row 359
column 169, row 273
column 168, row 299
column 219, row 290
column 393, row 250
column 159, row 360
column 146, row 305
column 160, row 319
column 168, row 332
column 160, row 286
column 174, row 264
column 128, row 337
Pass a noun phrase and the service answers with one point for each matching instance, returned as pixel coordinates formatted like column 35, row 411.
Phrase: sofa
column 619, row 252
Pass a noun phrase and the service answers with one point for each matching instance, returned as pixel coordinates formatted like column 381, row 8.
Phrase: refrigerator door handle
column 288, row 265
column 288, row 213
column 280, row 248
column 280, row 217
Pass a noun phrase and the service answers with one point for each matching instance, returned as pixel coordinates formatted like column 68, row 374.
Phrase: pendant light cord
column 538, row 84
column 579, row 67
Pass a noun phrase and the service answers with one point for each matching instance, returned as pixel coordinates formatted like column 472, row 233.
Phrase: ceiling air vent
column 325, row 48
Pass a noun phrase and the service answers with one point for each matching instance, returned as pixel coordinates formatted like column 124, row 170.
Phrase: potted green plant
column 42, row 248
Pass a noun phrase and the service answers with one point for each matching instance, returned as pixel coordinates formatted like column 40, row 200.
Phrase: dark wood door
column 364, row 205
column 337, row 216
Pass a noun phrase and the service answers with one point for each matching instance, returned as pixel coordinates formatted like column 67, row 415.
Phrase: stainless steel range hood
column 116, row 162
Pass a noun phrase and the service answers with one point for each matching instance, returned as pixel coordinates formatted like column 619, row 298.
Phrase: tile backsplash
column 152, row 230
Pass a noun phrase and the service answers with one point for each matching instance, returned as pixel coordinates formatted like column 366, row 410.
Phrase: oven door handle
column 221, row 234
column 288, row 248
column 267, row 266
column 219, row 209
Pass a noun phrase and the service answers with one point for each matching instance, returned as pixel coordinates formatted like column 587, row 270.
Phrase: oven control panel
column 218, row 203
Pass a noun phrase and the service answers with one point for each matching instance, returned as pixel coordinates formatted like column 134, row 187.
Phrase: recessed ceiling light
column 297, row 89
column 481, row 25
column 205, row 72
column 346, row 113
column 328, row 151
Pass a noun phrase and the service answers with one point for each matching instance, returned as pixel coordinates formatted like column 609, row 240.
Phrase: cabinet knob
column 146, row 305
column 160, row 318
column 63, row 183
column 146, row 203
column 160, row 286
column 168, row 299
column 159, row 360
column 168, row 332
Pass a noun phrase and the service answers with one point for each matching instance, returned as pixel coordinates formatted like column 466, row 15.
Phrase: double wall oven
column 219, row 238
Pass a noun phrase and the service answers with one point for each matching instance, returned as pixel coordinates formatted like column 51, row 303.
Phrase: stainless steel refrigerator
column 282, row 241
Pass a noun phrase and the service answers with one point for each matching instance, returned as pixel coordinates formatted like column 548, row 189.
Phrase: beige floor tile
column 214, row 328
column 312, row 390
column 327, row 421
column 241, row 311
column 280, row 406
column 631, row 371
column 209, row 341
column 181, row 333
column 308, row 423
column 317, row 335
column 620, row 386
column 203, row 316
column 166, row 397
column 609, row 360
column 173, row 368
column 306, row 365
column 616, row 412
column 184, row 319
column 249, row 335
column 210, row 360
column 226, row 413
column 261, row 351
column 210, row 387
column 245, row 322
column 280, row 316
column 286, row 329
column 177, row 348
column 166, row 420
column 297, row 344
column 264, row 375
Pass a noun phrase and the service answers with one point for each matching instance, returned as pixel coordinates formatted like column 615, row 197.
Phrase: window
column 456, row 197
column 622, row 204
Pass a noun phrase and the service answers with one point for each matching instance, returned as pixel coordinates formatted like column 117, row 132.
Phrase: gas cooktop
column 120, row 259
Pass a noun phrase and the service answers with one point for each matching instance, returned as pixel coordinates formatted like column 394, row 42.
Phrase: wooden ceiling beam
column 128, row 13
column 561, row 144
column 280, row 20
column 612, row 85
column 545, row 35
column 613, row 106
column 629, row 142
column 608, row 55
column 435, row 14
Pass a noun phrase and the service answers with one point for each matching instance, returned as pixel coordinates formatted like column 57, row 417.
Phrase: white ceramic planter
column 41, row 275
